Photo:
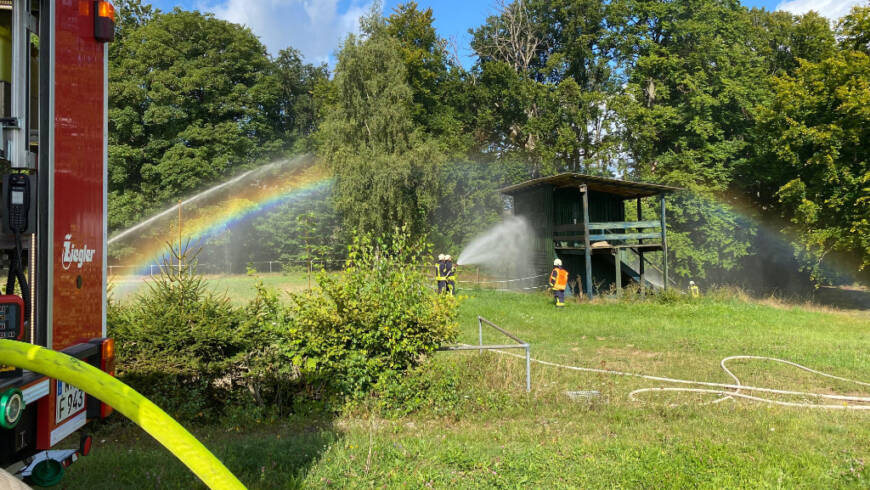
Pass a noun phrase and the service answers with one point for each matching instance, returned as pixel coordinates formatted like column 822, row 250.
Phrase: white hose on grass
column 728, row 391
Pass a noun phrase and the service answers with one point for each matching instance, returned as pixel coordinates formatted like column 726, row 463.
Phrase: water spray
column 506, row 249
column 213, row 211
column 178, row 207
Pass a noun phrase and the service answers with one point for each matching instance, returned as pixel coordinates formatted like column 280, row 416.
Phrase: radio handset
column 18, row 203
column 17, row 194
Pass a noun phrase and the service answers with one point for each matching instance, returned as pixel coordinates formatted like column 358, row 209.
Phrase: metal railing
column 520, row 344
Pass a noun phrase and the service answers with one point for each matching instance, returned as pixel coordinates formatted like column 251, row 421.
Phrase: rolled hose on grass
column 125, row 400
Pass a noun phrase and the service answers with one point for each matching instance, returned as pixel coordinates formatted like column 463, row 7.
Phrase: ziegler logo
column 71, row 254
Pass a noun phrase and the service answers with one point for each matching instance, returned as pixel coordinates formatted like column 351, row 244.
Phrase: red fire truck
column 53, row 133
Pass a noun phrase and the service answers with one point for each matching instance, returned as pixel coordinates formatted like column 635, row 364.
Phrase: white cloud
column 832, row 9
column 314, row 27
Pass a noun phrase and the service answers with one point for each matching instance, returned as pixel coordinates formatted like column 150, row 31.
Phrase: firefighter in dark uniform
column 439, row 274
column 450, row 274
column 558, row 282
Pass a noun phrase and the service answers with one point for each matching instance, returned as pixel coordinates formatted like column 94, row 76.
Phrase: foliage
column 547, row 71
column 196, row 354
column 854, row 30
column 702, row 94
column 129, row 14
column 816, row 133
column 489, row 433
column 424, row 56
column 297, row 112
column 193, row 99
column 386, row 168
column 432, row 387
column 178, row 343
column 692, row 75
column 376, row 319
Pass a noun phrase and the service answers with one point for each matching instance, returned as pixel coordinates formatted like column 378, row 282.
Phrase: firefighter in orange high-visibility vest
column 558, row 282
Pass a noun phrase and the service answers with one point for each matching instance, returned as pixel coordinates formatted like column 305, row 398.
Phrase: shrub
column 378, row 318
column 178, row 343
column 193, row 353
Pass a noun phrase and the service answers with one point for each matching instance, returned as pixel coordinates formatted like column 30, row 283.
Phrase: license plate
column 70, row 400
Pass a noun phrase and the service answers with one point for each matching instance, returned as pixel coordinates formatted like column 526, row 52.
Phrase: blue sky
column 315, row 27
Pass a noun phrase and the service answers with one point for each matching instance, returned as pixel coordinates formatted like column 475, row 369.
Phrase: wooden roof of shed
column 624, row 188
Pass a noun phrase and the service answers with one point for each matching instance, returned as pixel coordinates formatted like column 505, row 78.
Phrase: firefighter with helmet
column 694, row 290
column 439, row 273
column 558, row 282
column 450, row 274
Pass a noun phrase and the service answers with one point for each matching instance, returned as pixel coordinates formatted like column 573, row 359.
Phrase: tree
column 424, row 55
column 386, row 167
column 559, row 109
column 512, row 36
column 297, row 116
column 507, row 46
column 782, row 38
column 854, row 30
column 693, row 75
column 817, row 142
column 130, row 14
column 190, row 98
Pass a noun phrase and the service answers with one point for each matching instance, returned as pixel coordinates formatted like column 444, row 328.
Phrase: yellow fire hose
column 125, row 400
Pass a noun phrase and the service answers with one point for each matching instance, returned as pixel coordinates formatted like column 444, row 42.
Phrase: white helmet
column 440, row 256
column 557, row 263
column 448, row 257
column 691, row 283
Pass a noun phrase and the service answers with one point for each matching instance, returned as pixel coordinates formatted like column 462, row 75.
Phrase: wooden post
column 640, row 251
column 617, row 259
column 588, row 245
column 664, row 244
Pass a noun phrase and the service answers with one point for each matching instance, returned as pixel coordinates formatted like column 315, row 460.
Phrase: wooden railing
column 599, row 231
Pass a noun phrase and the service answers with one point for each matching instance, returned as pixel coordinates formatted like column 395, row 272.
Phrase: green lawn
column 238, row 288
column 494, row 434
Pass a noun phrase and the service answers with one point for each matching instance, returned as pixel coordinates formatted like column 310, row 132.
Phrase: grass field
column 239, row 288
column 494, row 434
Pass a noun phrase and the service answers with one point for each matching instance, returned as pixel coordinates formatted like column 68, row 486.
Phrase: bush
column 378, row 318
column 178, row 343
column 193, row 353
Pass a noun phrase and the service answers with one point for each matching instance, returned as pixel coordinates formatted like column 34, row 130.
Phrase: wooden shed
column 581, row 220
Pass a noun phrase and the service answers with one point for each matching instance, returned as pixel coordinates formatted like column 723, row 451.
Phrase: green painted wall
column 568, row 207
column 545, row 207
column 536, row 206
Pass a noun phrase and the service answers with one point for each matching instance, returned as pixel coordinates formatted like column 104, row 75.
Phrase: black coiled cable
column 16, row 272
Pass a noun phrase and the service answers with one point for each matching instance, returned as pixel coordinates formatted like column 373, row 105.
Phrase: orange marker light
column 104, row 21
column 108, row 349
column 107, row 364
column 106, row 10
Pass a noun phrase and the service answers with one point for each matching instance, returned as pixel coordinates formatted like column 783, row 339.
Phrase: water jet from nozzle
column 505, row 250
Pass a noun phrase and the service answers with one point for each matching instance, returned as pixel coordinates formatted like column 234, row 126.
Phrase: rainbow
column 253, row 192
